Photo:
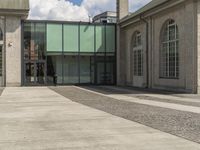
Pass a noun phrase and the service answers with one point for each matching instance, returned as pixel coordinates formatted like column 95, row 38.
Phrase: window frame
column 137, row 54
column 169, row 68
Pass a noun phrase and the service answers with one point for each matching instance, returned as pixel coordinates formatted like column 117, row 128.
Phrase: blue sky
column 75, row 10
column 78, row 2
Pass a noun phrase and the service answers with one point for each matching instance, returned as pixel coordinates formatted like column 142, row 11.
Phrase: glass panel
column 135, row 62
column 100, row 39
column 85, row 69
column 169, row 54
column 40, row 73
column 100, row 67
column 165, row 34
column 172, row 32
column 29, row 74
column 70, row 70
column 34, row 41
column 28, row 41
column 110, row 73
column 71, row 38
column 1, row 61
column 54, row 37
column 138, row 63
column 92, row 69
column 87, row 38
column 1, row 35
column 54, row 69
column 110, row 38
column 39, row 41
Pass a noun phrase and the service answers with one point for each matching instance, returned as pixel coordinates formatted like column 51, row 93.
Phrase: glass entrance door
column 40, row 73
column 35, row 73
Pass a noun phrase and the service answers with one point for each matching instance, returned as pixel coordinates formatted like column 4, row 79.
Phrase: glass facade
column 69, row 53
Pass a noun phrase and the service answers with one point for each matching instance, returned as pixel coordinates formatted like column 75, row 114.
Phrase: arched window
column 137, row 54
column 1, row 35
column 169, row 54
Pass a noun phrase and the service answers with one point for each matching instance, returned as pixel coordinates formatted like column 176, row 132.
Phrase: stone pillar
column 198, row 47
column 122, row 9
column 13, row 51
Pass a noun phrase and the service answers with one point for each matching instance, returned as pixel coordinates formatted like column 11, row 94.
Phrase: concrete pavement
column 37, row 118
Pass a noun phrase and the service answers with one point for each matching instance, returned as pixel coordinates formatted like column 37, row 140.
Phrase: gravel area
column 138, row 94
column 179, row 123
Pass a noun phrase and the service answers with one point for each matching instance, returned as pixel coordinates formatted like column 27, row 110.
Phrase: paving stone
column 179, row 123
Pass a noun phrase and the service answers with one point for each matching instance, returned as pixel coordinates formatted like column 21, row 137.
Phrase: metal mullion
column 34, row 61
column 22, row 56
column 137, row 60
column 105, row 59
column 170, row 41
column 175, row 52
column 168, row 63
column 94, row 59
column 79, row 49
column 62, row 55
column 115, row 65
column 45, row 53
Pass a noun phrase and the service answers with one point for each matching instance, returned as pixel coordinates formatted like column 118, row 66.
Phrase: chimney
column 122, row 9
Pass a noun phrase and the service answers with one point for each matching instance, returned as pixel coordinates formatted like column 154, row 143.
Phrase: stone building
column 44, row 52
column 11, row 14
column 159, row 45
column 106, row 17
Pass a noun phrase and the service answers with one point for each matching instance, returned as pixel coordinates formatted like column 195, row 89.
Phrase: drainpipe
column 147, row 49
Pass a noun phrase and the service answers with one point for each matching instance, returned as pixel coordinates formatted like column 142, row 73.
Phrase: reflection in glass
column 40, row 70
column 70, row 70
column 69, row 53
column 34, row 41
column 87, row 38
column 54, row 69
column 86, row 69
column 100, row 67
column 39, row 41
column 30, row 74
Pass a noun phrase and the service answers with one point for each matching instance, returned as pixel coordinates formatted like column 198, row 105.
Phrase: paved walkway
column 185, row 124
column 38, row 118
column 154, row 101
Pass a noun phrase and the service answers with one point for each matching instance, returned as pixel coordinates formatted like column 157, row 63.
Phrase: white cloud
column 57, row 10
column 136, row 4
column 65, row 10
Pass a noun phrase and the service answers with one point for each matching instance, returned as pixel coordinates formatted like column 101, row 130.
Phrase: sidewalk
column 38, row 118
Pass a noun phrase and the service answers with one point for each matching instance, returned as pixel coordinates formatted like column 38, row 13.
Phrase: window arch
column 1, row 35
column 169, row 53
column 137, row 54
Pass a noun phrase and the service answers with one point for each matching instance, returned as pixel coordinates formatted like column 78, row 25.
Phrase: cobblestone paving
column 138, row 94
column 179, row 123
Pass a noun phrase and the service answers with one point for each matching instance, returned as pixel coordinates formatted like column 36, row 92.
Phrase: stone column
column 13, row 51
column 122, row 9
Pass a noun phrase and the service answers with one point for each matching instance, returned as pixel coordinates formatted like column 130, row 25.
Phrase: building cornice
column 135, row 18
column 14, row 12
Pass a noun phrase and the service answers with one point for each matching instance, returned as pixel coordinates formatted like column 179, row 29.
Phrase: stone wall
column 198, row 44
column 13, row 51
column 132, row 80
column 186, row 47
column 184, row 15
